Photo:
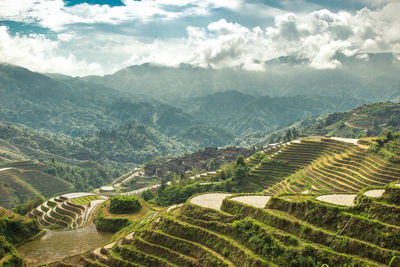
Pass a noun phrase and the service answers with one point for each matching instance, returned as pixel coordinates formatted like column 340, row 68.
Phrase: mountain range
column 153, row 110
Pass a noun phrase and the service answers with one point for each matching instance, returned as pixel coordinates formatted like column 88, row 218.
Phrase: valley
column 166, row 133
column 293, row 196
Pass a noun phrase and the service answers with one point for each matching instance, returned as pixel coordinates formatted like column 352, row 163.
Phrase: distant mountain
column 203, row 136
column 365, row 120
column 164, row 118
column 71, row 107
column 58, row 104
column 242, row 114
column 367, row 77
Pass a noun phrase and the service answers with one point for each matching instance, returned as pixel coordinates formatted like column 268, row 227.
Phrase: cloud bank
column 82, row 44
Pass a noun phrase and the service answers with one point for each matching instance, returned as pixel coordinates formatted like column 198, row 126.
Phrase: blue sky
column 79, row 37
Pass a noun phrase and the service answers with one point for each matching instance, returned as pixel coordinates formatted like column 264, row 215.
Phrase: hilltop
column 363, row 121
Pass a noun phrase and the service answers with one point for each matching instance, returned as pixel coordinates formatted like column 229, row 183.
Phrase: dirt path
column 355, row 126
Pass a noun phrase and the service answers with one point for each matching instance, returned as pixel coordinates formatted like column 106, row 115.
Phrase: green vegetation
column 110, row 224
column 147, row 195
column 27, row 206
column 121, row 223
column 84, row 200
column 107, row 127
column 83, row 178
column 388, row 146
column 241, row 113
column 366, row 120
column 14, row 230
column 8, row 255
column 124, row 204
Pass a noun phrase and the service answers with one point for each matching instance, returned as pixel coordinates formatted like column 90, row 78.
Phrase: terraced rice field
column 69, row 211
column 334, row 167
column 297, row 231
column 374, row 193
column 212, row 200
column 338, row 199
column 255, row 201
column 84, row 200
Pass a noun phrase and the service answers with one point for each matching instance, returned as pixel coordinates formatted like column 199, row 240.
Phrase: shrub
column 124, row 204
column 28, row 205
column 110, row 224
column 147, row 195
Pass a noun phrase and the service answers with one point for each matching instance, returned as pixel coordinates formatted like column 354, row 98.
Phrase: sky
column 97, row 37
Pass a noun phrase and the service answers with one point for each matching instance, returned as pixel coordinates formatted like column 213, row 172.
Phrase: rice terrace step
column 68, row 211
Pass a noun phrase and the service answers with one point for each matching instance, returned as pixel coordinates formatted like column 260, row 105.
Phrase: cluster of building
column 205, row 160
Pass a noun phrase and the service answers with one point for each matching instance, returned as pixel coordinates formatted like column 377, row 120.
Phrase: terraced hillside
column 68, row 211
column 274, row 164
column 321, row 165
column 23, row 180
column 294, row 230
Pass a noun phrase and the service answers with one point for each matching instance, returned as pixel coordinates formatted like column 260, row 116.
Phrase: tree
column 240, row 161
column 389, row 135
column 288, row 136
column 162, row 186
column 295, row 134
column 147, row 195
column 375, row 125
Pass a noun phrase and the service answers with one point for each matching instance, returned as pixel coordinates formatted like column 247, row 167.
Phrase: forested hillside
column 74, row 108
column 366, row 120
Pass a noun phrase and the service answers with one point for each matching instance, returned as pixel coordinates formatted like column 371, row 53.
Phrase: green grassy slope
column 24, row 181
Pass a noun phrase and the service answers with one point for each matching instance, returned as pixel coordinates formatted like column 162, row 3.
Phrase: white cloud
column 17, row 10
column 317, row 36
column 38, row 53
column 53, row 14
